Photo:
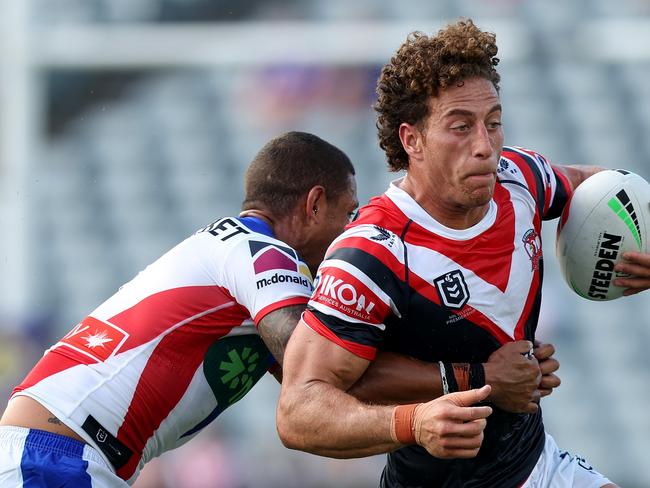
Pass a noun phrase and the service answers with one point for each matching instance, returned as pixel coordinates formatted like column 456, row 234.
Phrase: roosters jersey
column 397, row 279
column 174, row 347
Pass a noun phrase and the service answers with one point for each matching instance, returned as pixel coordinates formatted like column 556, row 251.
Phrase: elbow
column 287, row 427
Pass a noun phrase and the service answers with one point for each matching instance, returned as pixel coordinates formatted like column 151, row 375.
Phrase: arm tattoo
column 54, row 420
column 276, row 328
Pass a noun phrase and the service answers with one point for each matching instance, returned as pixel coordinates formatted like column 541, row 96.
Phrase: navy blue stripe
column 559, row 201
column 374, row 269
column 513, row 182
column 364, row 334
column 539, row 180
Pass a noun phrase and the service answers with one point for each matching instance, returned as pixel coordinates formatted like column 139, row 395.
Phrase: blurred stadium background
column 125, row 126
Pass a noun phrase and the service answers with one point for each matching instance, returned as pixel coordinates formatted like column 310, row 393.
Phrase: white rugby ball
column 608, row 214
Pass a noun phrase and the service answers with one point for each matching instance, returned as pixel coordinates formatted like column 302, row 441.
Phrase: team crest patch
column 95, row 338
column 533, row 246
column 452, row 289
column 267, row 257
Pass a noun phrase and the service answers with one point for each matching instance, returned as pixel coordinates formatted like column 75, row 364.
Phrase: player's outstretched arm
column 315, row 414
column 398, row 379
column 516, row 378
column 578, row 173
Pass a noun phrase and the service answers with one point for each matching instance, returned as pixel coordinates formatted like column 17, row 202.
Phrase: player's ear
column 315, row 203
column 411, row 138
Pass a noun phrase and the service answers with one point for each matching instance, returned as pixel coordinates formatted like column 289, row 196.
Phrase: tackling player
column 445, row 266
column 178, row 344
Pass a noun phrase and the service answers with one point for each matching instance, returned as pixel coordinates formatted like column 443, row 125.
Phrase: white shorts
column 559, row 469
column 34, row 458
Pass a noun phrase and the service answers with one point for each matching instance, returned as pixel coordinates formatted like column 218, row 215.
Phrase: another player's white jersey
column 172, row 348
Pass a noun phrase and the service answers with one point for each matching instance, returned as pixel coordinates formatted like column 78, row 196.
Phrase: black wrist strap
column 476, row 375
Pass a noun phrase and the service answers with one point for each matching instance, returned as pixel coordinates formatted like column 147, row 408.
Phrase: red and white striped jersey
column 175, row 346
column 399, row 280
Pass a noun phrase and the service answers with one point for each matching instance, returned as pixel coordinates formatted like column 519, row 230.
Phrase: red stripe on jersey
column 52, row 363
column 530, row 301
column 374, row 248
column 155, row 314
column 343, row 292
column 488, row 255
column 165, row 378
column 530, row 176
column 361, row 350
column 170, row 368
column 376, row 211
column 281, row 304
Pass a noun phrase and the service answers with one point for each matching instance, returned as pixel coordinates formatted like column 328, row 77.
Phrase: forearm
column 578, row 173
column 327, row 421
column 397, row 379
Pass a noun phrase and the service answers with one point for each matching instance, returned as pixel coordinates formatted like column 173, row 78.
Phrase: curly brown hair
column 421, row 67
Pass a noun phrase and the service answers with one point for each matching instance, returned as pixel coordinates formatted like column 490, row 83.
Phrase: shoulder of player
column 231, row 232
column 363, row 246
column 370, row 233
column 521, row 164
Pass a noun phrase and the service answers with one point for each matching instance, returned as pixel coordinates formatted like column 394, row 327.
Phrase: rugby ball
column 607, row 215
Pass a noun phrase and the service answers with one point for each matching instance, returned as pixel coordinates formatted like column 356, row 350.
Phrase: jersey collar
column 257, row 225
column 415, row 212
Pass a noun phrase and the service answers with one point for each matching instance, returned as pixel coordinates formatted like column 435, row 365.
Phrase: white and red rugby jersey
column 399, row 280
column 175, row 346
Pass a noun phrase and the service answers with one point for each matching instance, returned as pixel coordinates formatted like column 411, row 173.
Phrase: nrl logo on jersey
column 452, row 289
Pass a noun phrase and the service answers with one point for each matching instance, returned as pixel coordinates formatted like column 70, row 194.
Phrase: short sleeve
column 358, row 287
column 264, row 274
column 549, row 187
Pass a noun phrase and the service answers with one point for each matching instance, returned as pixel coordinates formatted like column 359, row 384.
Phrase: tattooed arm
column 275, row 329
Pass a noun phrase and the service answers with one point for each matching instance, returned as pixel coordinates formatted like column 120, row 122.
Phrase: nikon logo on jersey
column 344, row 297
column 283, row 278
column 452, row 289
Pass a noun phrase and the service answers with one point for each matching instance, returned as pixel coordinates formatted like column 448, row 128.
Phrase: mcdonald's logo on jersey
column 452, row 289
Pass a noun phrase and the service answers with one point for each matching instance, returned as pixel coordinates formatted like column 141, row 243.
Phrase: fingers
column 549, row 382
column 549, row 366
column 455, row 439
column 637, row 266
column 543, row 351
column 522, row 347
column 639, row 258
column 456, row 446
column 469, row 397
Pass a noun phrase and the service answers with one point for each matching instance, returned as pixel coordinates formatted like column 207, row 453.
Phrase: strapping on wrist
column 401, row 424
